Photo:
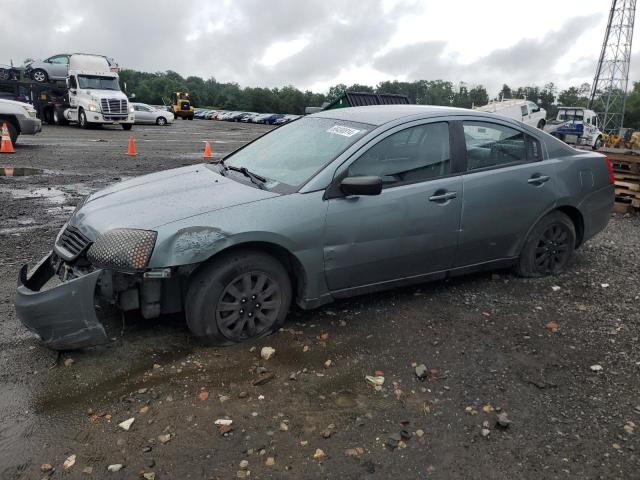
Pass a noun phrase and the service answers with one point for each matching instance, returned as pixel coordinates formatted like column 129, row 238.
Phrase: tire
column 57, row 117
column 225, row 279
column 13, row 132
column 40, row 76
column 598, row 144
column 190, row 117
column 161, row 121
column 127, row 126
column 82, row 119
column 541, row 124
column 549, row 247
column 4, row 74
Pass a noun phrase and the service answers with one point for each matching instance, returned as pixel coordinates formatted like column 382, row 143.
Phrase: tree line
column 156, row 89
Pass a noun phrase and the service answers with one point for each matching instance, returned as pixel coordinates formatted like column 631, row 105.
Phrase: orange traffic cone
column 207, row 150
column 5, row 145
column 132, row 147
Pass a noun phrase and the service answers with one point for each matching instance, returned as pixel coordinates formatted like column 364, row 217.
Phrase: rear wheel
column 237, row 297
column 549, row 247
column 541, row 124
column 58, row 118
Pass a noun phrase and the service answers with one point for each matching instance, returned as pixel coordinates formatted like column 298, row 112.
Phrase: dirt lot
column 486, row 340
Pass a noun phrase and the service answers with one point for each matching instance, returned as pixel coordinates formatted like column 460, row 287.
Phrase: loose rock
column 267, row 352
column 354, row 452
column 126, row 425
column 163, row 439
column 244, row 464
column 69, row 462
column 503, row 420
column 149, row 476
column 319, row 455
column 270, row 462
column 46, row 467
column 422, row 371
column 116, row 467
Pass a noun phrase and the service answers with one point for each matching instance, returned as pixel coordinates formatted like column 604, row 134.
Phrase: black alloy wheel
column 553, row 249
column 248, row 306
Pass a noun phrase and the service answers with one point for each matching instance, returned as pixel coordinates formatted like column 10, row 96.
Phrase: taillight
column 612, row 178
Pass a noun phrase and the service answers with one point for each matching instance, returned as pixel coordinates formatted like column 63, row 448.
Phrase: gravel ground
column 491, row 343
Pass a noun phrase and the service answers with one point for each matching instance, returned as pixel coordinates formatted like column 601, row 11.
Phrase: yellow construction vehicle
column 181, row 106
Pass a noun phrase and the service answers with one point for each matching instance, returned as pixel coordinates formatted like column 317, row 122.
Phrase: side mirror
column 361, row 186
column 133, row 95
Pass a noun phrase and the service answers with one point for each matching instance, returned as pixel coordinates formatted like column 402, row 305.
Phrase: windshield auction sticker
column 344, row 131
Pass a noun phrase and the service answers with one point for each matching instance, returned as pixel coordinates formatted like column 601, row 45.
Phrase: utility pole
column 609, row 90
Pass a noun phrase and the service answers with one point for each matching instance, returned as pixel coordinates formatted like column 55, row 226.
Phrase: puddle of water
column 52, row 195
column 18, row 171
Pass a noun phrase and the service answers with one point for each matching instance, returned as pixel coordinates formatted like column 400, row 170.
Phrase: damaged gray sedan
column 333, row 205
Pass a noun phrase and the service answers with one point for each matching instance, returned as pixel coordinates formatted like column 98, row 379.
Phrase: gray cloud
column 530, row 61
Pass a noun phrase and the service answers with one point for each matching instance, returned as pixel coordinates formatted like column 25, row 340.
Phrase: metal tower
column 609, row 89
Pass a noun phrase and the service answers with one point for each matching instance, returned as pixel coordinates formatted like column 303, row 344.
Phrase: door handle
column 443, row 196
column 538, row 179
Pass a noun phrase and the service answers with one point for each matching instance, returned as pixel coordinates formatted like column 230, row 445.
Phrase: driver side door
column 411, row 228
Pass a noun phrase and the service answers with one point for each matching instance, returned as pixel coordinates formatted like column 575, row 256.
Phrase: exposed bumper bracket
column 64, row 316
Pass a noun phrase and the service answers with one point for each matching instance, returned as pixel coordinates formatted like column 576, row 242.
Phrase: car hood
column 16, row 103
column 153, row 200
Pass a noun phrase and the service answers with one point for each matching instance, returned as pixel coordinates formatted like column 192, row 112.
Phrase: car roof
column 381, row 114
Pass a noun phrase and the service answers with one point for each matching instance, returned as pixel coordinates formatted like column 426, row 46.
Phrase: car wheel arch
column 570, row 211
column 289, row 261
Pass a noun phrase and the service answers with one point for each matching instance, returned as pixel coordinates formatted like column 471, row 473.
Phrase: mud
column 483, row 337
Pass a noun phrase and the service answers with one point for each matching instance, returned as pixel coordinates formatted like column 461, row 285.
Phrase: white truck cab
column 94, row 94
column 523, row 110
column 577, row 126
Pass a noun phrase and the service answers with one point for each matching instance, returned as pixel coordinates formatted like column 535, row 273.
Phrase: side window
column 492, row 145
column 413, row 155
column 524, row 110
column 61, row 59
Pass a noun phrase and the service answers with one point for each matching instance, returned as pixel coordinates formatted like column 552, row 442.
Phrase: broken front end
column 61, row 298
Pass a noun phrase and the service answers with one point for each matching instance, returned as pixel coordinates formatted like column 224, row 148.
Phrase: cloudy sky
column 317, row 43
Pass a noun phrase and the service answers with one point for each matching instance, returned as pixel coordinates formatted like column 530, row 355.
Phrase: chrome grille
column 113, row 106
column 72, row 243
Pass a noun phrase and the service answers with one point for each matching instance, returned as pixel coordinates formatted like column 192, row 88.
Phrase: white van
column 522, row 110
column 94, row 94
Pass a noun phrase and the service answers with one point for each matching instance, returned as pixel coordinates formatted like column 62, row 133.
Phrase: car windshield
column 292, row 154
column 96, row 82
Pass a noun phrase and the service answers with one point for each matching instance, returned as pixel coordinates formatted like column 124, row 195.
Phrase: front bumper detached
column 63, row 317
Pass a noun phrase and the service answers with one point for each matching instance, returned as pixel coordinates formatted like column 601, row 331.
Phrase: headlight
column 92, row 108
column 30, row 111
column 131, row 109
column 123, row 249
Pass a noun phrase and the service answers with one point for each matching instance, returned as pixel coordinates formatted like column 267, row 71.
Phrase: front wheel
column 127, row 126
column 82, row 120
column 241, row 295
column 541, row 124
column 549, row 247
column 161, row 121
column 39, row 75
column 597, row 144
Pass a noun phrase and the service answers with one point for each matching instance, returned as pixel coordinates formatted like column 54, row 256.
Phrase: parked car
column 271, row 118
column 336, row 204
column 9, row 72
column 57, row 67
column 20, row 118
column 286, row 119
column 147, row 114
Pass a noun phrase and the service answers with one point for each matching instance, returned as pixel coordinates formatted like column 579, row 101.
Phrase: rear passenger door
column 508, row 186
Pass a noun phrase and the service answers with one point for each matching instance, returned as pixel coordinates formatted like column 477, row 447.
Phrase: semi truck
column 91, row 95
